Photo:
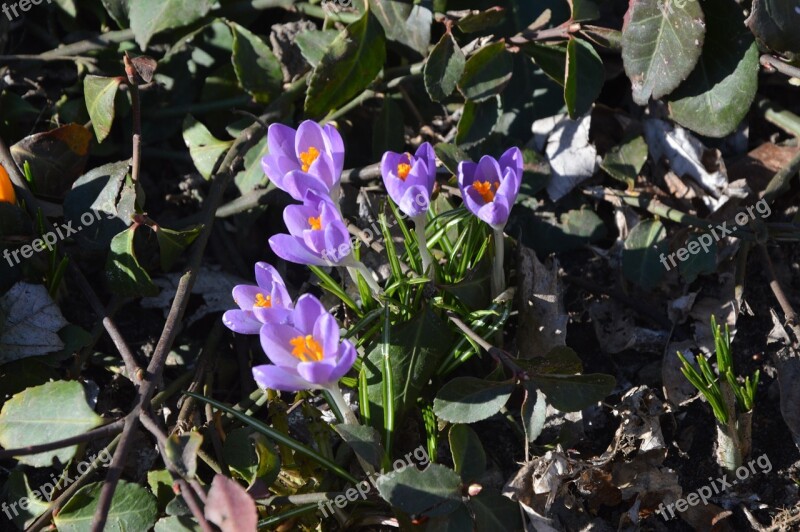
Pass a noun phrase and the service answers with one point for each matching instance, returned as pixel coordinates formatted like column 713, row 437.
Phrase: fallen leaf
column 573, row 158
column 543, row 320
column 29, row 323
column 687, row 156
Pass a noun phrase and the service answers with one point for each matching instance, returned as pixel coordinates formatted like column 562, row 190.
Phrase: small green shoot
column 708, row 384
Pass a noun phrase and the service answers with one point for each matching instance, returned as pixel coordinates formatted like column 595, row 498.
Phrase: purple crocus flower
column 409, row 179
column 309, row 158
column 317, row 235
column 307, row 354
column 267, row 302
column 490, row 188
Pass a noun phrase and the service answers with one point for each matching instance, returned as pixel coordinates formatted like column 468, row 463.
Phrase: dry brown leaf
column 542, row 318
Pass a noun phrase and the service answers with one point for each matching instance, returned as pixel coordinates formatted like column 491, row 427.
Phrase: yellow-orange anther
column 485, row 189
column 402, row 170
column 315, row 223
column 306, row 348
column 263, row 301
column 308, row 157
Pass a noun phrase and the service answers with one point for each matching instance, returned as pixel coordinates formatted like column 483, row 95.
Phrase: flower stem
column 341, row 404
column 424, row 252
column 498, row 275
column 364, row 271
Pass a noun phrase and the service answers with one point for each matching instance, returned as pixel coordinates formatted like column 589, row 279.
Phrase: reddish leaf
column 230, row 507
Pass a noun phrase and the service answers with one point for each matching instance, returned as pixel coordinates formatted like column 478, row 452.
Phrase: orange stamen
column 306, row 348
column 402, row 170
column 315, row 223
column 263, row 301
column 308, row 157
column 484, row 188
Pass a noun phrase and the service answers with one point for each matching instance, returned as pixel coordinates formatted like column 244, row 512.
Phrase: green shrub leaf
column 44, row 414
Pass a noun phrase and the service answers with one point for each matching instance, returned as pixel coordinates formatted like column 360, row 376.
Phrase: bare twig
column 100, row 432
column 188, row 490
column 773, row 63
column 780, row 295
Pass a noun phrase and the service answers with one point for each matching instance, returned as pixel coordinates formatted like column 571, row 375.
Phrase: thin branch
column 773, row 63
column 780, row 295
column 188, row 491
column 96, row 434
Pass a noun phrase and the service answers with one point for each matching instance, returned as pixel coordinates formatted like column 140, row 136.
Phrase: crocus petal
column 315, row 240
column 267, row 275
column 418, row 174
column 466, row 174
column 509, row 186
column 318, row 373
column 328, row 213
column 275, row 173
column 327, row 331
column 335, row 146
column 277, row 378
column 427, row 154
column 276, row 343
column 488, row 170
column 389, row 163
column 280, row 141
column 337, row 241
column 472, row 200
column 245, row 295
column 415, row 201
column 494, row 213
column 273, row 314
column 292, row 249
column 346, row 359
column 296, row 217
column 241, row 321
column 276, row 167
column 307, row 311
column 309, row 134
column 297, row 183
column 512, row 158
column 323, row 167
